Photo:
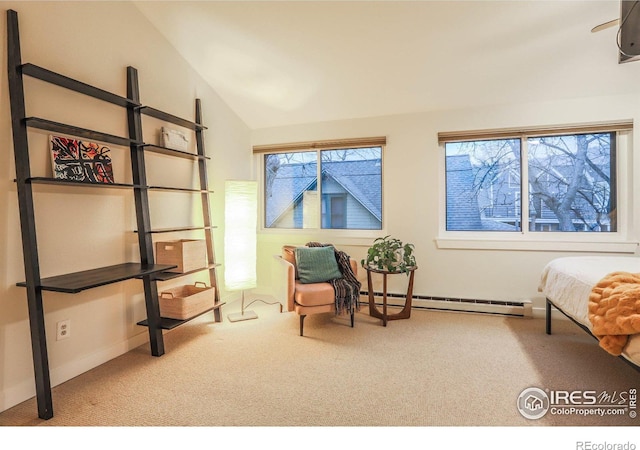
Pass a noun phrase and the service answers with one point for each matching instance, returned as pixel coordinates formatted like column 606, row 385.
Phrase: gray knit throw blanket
column 347, row 288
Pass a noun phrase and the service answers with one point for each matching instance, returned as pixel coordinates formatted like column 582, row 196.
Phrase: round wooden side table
column 373, row 309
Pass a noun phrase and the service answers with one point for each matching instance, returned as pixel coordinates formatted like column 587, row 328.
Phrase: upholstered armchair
column 306, row 297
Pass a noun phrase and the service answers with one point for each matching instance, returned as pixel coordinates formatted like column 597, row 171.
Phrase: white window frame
column 335, row 235
column 620, row 241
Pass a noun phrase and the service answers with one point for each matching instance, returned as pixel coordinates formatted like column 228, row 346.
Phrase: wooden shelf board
column 73, row 283
column 161, row 115
column 169, row 324
column 56, row 127
column 69, row 83
column 178, row 189
column 57, row 181
column 165, row 276
column 172, row 152
column 175, row 229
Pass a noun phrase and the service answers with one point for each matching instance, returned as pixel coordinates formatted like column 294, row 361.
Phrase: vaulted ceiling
column 285, row 62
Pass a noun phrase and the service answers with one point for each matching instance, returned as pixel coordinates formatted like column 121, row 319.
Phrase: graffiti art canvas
column 77, row 160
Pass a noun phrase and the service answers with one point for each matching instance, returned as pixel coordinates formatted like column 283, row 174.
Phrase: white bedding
column 568, row 281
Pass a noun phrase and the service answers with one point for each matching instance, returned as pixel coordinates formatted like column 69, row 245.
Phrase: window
column 349, row 195
column 571, row 185
column 334, row 211
column 482, row 193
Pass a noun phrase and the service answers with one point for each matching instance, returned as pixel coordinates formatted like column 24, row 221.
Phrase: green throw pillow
column 316, row 264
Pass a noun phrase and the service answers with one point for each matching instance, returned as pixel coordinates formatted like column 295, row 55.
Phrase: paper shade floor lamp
column 240, row 220
column 240, row 223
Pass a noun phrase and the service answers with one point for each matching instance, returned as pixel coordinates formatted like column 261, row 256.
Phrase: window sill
column 535, row 245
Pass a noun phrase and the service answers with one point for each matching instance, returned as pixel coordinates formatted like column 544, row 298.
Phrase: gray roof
column 362, row 179
column 463, row 212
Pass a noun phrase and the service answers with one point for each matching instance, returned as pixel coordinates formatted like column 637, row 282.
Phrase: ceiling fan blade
column 604, row 26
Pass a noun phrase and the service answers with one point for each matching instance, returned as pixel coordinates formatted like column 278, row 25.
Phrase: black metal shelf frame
column 201, row 159
column 146, row 270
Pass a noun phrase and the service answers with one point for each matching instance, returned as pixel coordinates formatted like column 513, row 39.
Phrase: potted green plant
column 390, row 254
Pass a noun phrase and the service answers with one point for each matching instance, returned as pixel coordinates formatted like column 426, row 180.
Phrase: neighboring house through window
column 571, row 180
column 349, row 195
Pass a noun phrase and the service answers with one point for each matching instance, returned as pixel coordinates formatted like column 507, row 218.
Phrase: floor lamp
column 240, row 221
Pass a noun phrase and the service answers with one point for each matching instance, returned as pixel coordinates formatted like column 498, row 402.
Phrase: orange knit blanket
column 614, row 310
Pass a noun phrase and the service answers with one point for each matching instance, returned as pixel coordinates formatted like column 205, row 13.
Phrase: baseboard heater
column 519, row 308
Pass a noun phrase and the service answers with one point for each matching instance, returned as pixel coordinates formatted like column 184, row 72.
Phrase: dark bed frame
column 587, row 330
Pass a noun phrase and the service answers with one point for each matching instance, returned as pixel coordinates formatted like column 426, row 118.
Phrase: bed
column 567, row 283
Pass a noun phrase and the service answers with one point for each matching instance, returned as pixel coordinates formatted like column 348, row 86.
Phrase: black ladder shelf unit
column 76, row 282
column 201, row 159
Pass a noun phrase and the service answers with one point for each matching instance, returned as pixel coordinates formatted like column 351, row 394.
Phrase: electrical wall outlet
column 63, row 329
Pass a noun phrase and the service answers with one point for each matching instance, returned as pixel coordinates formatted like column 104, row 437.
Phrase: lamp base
column 246, row 315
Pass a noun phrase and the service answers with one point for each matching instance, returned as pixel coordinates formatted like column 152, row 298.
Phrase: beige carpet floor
column 435, row 369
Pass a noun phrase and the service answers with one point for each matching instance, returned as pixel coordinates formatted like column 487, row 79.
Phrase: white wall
column 413, row 195
column 81, row 229
column 94, row 42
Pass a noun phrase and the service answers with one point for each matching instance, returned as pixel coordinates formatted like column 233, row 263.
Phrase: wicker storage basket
column 187, row 254
column 185, row 302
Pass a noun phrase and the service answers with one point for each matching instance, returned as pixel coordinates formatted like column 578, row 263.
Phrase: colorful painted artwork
column 77, row 160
